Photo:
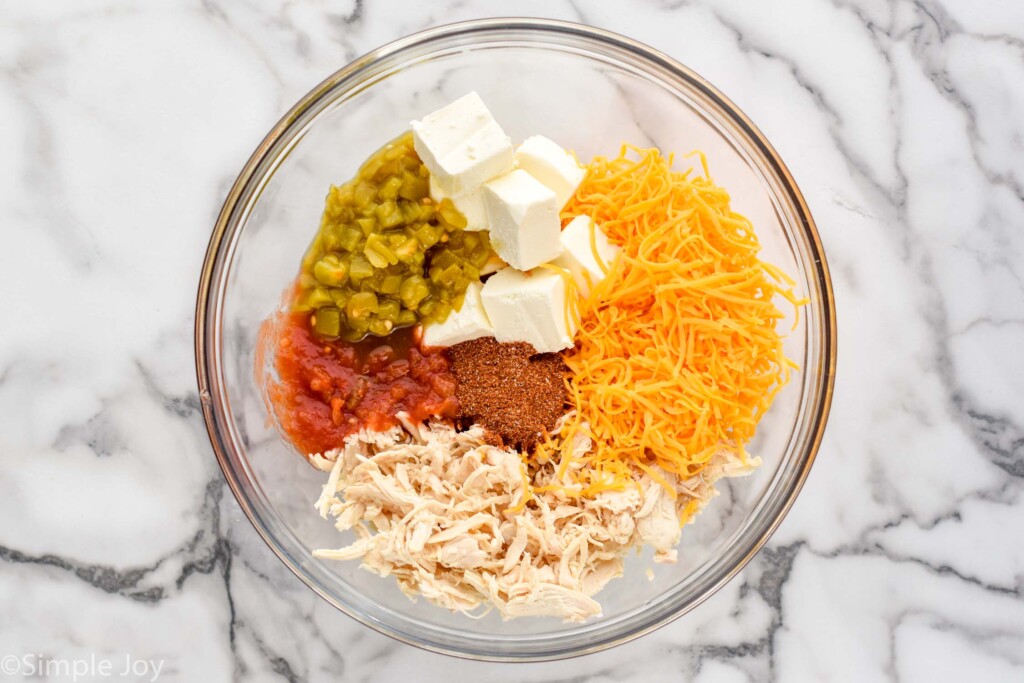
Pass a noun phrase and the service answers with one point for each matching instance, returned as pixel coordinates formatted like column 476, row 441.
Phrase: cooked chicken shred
column 443, row 512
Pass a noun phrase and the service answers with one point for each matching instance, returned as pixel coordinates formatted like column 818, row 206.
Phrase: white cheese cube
column 528, row 307
column 523, row 217
column 578, row 256
column 462, row 145
column 469, row 322
column 470, row 205
column 546, row 161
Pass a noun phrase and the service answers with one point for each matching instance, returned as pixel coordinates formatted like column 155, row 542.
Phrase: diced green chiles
column 389, row 310
column 350, row 238
column 363, row 194
column 378, row 252
column 450, row 215
column 361, row 305
column 340, row 296
column 390, row 285
column 331, row 270
column 317, row 297
column 389, row 214
column 386, row 255
column 381, row 327
column 413, row 290
column 327, row 322
column 427, row 307
column 366, row 226
column 360, row 268
column 389, row 190
column 407, row 249
column 413, row 187
column 428, row 235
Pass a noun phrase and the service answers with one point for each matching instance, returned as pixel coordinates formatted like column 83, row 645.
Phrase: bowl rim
column 207, row 382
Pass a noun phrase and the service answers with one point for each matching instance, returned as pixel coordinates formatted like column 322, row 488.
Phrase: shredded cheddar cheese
column 677, row 352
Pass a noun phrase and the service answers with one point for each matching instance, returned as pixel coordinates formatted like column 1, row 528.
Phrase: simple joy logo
column 36, row 665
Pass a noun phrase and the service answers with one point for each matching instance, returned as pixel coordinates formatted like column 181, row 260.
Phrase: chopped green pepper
column 386, row 255
column 327, row 322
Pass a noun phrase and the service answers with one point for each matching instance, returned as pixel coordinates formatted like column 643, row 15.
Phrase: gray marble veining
column 122, row 126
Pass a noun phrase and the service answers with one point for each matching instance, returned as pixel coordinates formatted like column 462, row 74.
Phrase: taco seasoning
column 514, row 392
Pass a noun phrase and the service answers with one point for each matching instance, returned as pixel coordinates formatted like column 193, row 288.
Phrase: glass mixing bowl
column 590, row 90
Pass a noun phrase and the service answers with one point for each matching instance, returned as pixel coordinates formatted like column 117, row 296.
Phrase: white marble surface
column 122, row 124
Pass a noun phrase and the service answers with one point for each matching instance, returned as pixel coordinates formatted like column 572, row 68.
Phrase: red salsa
column 327, row 390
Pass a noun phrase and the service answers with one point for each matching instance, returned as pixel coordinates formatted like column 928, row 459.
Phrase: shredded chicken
column 443, row 512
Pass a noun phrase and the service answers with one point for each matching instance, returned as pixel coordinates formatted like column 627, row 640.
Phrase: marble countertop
column 122, row 125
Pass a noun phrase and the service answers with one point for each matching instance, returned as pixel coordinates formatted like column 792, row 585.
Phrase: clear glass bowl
column 590, row 90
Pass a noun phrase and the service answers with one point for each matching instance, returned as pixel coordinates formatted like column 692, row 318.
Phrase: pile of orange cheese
column 677, row 353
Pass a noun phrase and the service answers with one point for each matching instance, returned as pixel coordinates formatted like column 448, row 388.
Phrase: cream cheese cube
column 528, row 307
column 462, row 145
column 546, row 161
column 523, row 216
column 578, row 255
column 469, row 322
column 470, row 205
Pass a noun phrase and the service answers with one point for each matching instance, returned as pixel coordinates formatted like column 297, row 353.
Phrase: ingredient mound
column 445, row 513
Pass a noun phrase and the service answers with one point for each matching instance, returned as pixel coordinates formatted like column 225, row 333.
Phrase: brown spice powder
column 509, row 389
